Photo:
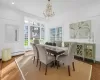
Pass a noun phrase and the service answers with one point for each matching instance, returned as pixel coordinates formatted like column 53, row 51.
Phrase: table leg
column 55, row 63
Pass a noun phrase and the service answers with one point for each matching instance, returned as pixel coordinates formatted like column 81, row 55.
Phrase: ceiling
column 36, row 7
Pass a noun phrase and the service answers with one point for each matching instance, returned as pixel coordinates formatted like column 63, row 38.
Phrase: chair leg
column 57, row 64
column 34, row 59
column 55, row 60
column 40, row 66
column 46, row 70
column 73, row 66
column 54, row 63
column 37, row 62
column 63, row 64
column 69, row 70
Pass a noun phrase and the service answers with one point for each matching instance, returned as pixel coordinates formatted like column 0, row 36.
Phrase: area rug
column 31, row 72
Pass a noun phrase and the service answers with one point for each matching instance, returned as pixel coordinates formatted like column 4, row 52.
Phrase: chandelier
column 48, row 12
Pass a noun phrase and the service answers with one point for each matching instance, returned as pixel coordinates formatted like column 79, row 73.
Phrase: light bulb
column 13, row 3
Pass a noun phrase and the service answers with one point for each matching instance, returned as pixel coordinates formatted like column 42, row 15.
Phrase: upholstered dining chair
column 68, row 59
column 59, row 43
column 53, row 44
column 44, row 57
column 36, row 53
column 36, row 41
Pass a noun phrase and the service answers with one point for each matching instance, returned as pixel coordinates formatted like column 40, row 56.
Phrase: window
column 56, row 34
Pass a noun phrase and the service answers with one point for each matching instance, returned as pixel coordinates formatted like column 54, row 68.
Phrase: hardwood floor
column 0, row 69
column 95, row 69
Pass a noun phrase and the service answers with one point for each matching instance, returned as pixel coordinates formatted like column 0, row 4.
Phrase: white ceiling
column 36, row 7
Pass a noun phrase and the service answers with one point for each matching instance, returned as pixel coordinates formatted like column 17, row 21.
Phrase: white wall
column 10, row 16
column 89, row 12
column 13, row 16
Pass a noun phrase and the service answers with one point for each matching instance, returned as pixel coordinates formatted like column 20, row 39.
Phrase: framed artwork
column 11, row 33
column 80, row 30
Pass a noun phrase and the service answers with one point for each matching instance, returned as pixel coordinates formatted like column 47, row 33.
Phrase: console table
column 84, row 50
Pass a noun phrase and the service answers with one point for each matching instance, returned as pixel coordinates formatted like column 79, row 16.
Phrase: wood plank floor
column 95, row 69
column 0, row 68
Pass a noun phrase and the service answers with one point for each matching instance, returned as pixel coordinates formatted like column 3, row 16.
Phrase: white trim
column 20, row 70
column 14, row 53
column 90, row 73
column 18, row 53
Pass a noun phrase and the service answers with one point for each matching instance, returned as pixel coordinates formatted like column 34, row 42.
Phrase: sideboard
column 84, row 50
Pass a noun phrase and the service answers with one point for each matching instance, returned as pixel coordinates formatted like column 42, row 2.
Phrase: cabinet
column 89, row 50
column 84, row 50
column 80, row 50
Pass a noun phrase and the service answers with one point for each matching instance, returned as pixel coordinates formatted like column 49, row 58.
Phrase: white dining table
column 55, row 49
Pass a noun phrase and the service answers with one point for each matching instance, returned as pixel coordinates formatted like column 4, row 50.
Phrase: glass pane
column 42, row 33
column 25, row 35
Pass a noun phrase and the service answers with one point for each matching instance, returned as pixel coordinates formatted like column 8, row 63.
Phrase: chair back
column 53, row 44
column 46, row 43
column 35, row 50
column 59, row 43
column 72, row 48
column 36, row 41
column 42, row 53
column 66, row 44
column 71, row 51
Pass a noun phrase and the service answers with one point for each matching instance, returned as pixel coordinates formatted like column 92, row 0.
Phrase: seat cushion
column 62, row 58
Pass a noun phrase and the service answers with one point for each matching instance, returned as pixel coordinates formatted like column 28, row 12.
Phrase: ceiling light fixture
column 13, row 3
column 48, row 12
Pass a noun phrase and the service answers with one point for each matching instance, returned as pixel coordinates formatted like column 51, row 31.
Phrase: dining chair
column 44, row 57
column 67, row 44
column 36, row 41
column 36, row 53
column 46, row 43
column 59, row 43
column 68, row 59
column 53, row 44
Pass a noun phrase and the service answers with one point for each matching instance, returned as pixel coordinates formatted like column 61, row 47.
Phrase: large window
column 33, row 31
column 52, row 34
column 56, row 34
column 42, row 33
column 26, row 35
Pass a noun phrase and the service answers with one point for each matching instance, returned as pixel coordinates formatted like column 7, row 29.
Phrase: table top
column 55, row 49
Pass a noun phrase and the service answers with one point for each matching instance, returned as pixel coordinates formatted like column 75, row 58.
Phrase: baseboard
column 97, row 62
column 28, row 50
column 85, row 59
column 18, row 53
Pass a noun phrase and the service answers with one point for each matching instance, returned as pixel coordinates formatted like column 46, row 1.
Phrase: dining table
column 56, row 51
